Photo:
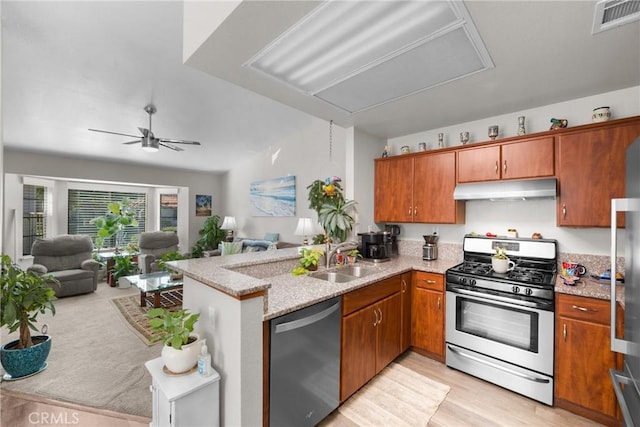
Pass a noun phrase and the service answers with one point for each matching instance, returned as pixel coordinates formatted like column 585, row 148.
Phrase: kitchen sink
column 332, row 276
column 357, row 270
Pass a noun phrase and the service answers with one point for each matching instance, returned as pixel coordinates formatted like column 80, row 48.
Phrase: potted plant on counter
column 309, row 261
column 353, row 255
column 500, row 261
column 23, row 296
column 181, row 346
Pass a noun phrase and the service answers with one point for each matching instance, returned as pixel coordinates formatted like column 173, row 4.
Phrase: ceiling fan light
column 150, row 145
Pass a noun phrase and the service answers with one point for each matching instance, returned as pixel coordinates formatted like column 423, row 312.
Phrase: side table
column 184, row 400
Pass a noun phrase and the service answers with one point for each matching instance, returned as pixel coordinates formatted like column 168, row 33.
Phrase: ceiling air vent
column 613, row 13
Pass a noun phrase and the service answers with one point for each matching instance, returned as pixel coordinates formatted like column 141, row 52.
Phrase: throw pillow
column 230, row 248
column 272, row 237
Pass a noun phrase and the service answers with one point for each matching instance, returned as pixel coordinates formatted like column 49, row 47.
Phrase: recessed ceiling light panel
column 359, row 54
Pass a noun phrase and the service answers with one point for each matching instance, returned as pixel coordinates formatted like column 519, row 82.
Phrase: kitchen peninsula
column 236, row 294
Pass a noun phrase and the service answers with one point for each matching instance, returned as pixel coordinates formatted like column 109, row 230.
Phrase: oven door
column 492, row 326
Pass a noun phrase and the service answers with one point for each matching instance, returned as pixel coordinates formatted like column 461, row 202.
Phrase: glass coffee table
column 157, row 289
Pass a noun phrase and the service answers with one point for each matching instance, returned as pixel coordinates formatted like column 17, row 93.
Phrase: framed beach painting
column 203, row 205
column 273, row 197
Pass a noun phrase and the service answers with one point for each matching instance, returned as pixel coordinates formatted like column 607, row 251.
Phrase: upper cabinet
column 591, row 172
column 530, row 158
column 417, row 188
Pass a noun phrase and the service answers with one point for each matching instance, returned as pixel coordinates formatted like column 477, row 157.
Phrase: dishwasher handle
column 306, row 321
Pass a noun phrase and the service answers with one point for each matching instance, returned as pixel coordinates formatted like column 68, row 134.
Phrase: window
column 84, row 205
column 168, row 212
column 33, row 215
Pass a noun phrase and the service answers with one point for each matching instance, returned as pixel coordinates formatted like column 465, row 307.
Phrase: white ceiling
column 70, row 66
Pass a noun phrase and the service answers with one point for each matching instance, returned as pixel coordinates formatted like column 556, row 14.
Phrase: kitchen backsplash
column 595, row 264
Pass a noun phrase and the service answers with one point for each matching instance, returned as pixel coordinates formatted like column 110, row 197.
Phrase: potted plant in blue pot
column 23, row 296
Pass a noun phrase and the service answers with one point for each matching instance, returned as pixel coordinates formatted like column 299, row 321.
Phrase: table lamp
column 304, row 228
column 229, row 224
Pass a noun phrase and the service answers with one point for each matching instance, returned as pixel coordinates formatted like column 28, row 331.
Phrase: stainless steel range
column 500, row 327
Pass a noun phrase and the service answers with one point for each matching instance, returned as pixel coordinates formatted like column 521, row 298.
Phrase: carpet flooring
column 398, row 396
column 95, row 359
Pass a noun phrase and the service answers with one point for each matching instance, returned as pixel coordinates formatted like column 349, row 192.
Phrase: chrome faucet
column 331, row 253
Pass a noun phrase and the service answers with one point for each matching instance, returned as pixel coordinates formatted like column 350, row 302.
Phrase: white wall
column 532, row 215
column 22, row 163
column 304, row 154
column 367, row 147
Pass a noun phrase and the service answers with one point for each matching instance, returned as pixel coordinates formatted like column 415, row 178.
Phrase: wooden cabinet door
column 393, row 192
column 479, row 164
column 405, row 340
column 583, row 360
column 358, row 361
column 591, row 172
column 428, row 320
column 528, row 159
column 434, row 179
column 388, row 330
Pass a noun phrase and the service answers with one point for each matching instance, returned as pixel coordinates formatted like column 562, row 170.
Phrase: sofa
column 68, row 258
column 154, row 244
column 244, row 245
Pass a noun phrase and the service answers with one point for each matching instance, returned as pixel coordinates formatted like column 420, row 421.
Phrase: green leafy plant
column 333, row 210
column 210, row 236
column 24, row 295
column 119, row 215
column 319, row 239
column 309, row 261
column 501, row 253
column 173, row 255
column 123, row 266
column 173, row 327
column 354, row 253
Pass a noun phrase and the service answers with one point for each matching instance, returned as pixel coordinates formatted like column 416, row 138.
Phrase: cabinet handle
column 415, row 211
column 380, row 310
column 438, row 303
column 429, row 281
column 577, row 307
column 564, row 332
column 505, row 167
column 375, row 313
column 497, row 167
column 564, row 210
column 409, row 210
column 404, row 286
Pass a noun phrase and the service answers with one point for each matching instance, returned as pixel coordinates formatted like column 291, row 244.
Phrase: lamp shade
column 229, row 223
column 304, row 228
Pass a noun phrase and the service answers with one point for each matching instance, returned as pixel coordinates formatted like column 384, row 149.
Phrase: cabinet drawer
column 369, row 294
column 433, row 281
column 582, row 308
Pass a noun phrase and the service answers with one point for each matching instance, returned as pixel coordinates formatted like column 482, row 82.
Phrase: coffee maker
column 373, row 246
column 392, row 245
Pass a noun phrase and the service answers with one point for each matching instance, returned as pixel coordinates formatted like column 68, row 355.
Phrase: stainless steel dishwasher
column 305, row 365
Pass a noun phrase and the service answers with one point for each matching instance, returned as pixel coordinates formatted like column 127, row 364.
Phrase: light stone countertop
column 270, row 272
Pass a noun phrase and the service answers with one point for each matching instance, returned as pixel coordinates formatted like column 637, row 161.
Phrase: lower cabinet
column 183, row 400
column 428, row 314
column 405, row 341
column 583, row 358
column 371, row 332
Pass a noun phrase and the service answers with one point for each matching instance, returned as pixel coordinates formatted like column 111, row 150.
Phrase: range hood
column 507, row 190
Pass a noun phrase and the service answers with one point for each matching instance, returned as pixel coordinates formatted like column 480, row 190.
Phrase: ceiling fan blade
column 179, row 141
column 170, row 146
column 132, row 142
column 114, row 133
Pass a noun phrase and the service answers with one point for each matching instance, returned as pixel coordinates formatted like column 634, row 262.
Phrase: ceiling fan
column 148, row 140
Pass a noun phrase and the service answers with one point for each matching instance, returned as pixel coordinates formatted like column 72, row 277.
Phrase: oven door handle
column 509, row 302
column 499, row 367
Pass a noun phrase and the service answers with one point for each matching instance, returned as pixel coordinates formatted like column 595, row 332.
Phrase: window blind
column 34, row 215
column 168, row 212
column 84, row 205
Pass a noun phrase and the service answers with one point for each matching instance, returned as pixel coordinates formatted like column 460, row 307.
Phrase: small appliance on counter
column 373, row 246
column 430, row 248
column 394, row 232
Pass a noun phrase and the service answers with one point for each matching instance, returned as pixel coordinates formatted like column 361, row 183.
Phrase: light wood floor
column 471, row 402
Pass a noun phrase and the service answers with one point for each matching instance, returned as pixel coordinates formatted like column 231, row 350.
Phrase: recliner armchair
column 154, row 244
column 68, row 258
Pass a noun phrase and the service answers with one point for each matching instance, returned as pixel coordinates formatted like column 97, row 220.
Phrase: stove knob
column 515, row 289
column 463, row 280
column 528, row 291
column 472, row 282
